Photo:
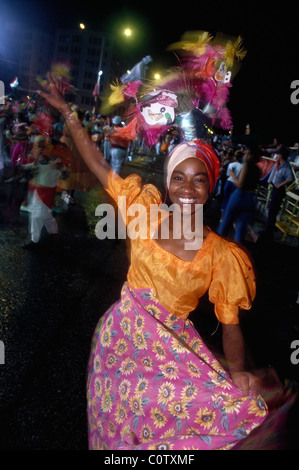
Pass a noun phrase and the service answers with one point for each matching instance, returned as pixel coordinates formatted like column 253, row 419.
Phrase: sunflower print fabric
column 150, row 390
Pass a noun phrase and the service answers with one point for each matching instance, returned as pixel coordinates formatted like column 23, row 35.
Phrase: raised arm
column 92, row 156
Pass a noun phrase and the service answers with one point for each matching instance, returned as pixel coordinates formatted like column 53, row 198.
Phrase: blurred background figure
column 282, row 176
column 4, row 158
column 43, row 192
column 18, row 148
column 242, row 203
column 119, row 146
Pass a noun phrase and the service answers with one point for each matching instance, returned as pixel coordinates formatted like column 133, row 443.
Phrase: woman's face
column 189, row 184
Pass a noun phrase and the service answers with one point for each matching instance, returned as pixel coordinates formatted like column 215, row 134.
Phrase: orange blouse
column 219, row 267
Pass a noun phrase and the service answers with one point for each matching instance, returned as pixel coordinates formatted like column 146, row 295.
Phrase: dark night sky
column 262, row 88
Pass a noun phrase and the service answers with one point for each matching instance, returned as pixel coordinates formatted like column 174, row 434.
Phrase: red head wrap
column 195, row 149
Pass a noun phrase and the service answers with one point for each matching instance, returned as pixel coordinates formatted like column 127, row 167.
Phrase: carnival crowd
column 36, row 148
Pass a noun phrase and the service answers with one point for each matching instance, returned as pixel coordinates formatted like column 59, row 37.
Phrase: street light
column 82, row 25
column 100, row 72
column 128, row 32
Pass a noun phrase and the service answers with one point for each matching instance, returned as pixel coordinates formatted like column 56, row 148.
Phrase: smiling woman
column 162, row 347
column 145, row 341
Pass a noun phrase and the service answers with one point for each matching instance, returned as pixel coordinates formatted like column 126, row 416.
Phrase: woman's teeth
column 185, row 200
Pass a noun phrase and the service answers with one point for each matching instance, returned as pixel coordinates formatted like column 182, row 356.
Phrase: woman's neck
column 179, row 243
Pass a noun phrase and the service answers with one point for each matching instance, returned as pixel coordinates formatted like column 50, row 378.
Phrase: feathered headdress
column 62, row 71
column 192, row 95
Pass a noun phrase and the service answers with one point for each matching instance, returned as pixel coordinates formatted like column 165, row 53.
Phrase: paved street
column 52, row 297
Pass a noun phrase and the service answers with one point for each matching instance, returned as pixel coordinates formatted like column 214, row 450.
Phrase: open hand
column 54, row 95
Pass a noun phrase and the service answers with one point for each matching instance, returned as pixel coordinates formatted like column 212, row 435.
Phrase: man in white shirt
column 229, row 186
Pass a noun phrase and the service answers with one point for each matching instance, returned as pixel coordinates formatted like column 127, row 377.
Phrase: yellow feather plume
column 116, row 96
column 234, row 50
column 196, row 43
column 43, row 82
column 61, row 70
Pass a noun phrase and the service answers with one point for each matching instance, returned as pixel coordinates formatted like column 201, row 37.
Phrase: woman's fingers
column 50, row 81
column 54, row 92
column 55, row 84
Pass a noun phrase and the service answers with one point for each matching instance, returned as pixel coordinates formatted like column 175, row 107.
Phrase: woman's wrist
column 65, row 110
column 69, row 115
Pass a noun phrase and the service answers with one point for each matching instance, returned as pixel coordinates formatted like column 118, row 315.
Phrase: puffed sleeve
column 233, row 285
column 129, row 187
column 129, row 190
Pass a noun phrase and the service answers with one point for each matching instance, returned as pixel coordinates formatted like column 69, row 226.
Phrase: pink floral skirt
column 154, row 385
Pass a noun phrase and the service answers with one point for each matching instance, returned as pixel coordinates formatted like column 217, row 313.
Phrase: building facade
column 90, row 57
column 34, row 58
column 29, row 54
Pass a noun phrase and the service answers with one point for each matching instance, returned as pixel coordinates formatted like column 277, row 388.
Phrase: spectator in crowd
column 282, row 177
column 242, row 203
column 119, row 146
column 229, row 185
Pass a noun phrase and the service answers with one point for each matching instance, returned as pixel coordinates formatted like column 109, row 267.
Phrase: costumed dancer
column 79, row 178
column 49, row 166
column 43, row 192
column 19, row 146
column 152, row 381
column 40, row 131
